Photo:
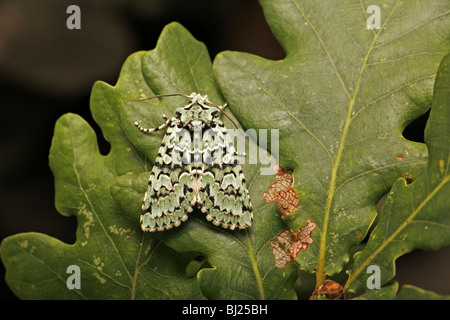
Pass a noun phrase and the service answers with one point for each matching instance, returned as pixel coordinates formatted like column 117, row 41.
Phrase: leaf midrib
column 320, row 272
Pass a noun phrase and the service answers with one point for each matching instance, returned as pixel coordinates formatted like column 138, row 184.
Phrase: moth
column 196, row 167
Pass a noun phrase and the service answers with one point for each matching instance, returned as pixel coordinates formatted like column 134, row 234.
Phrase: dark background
column 47, row 70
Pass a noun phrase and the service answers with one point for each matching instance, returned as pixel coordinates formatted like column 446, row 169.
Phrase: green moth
column 196, row 166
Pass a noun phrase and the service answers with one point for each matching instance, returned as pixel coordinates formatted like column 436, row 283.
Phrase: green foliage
column 341, row 99
column 415, row 216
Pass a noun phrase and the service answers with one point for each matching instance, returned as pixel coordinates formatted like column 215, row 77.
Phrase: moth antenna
column 162, row 95
column 221, row 110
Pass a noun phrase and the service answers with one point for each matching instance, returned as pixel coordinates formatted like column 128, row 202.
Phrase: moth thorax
column 195, row 126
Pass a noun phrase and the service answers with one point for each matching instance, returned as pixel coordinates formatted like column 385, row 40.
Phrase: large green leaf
column 117, row 259
column 416, row 215
column 242, row 262
column 341, row 99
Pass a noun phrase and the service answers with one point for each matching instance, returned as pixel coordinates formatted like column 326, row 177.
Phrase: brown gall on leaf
column 288, row 244
column 330, row 289
column 281, row 192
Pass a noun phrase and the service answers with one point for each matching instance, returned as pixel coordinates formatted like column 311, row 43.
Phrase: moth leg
column 161, row 127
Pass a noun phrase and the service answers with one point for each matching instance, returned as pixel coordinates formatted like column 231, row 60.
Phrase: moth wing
column 168, row 197
column 224, row 190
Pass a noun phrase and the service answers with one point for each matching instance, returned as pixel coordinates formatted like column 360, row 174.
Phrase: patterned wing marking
column 223, row 191
column 169, row 193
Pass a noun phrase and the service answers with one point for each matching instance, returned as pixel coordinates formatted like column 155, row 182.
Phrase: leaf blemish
column 288, row 244
column 281, row 192
column 146, row 252
column 23, row 244
column 82, row 211
column 408, row 179
column 118, row 231
column 100, row 278
column 441, row 166
column 98, row 263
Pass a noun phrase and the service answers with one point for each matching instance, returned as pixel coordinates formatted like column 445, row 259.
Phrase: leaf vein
column 322, row 43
